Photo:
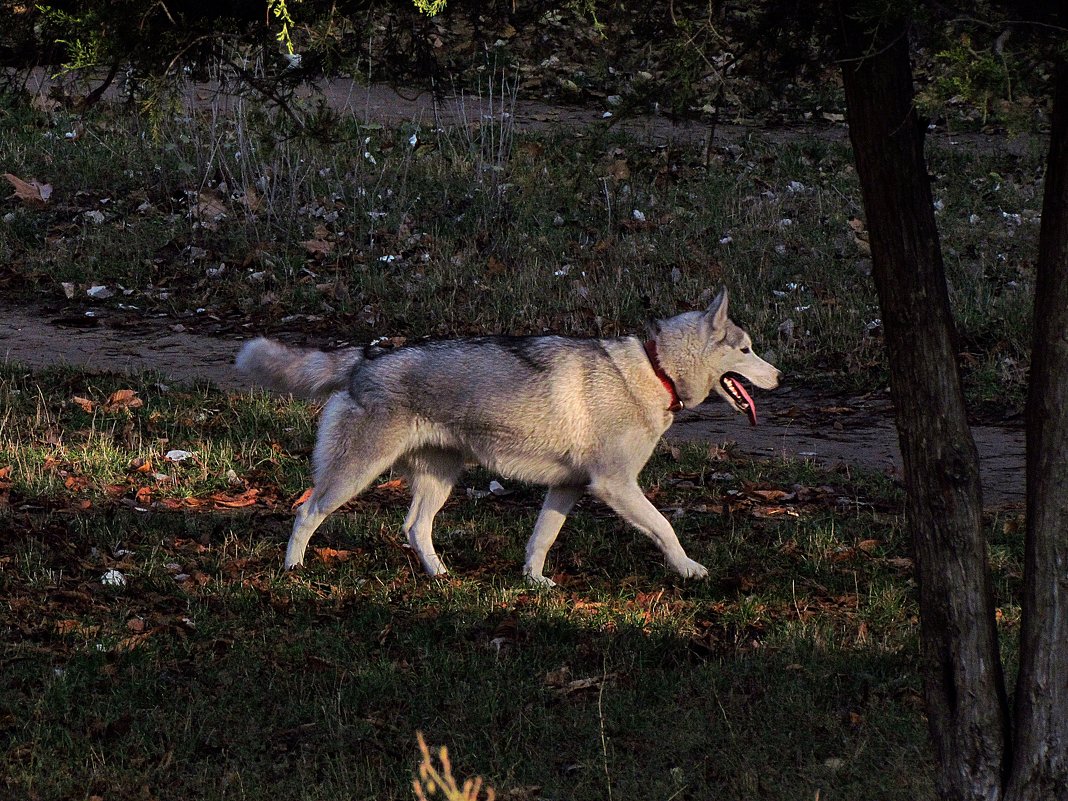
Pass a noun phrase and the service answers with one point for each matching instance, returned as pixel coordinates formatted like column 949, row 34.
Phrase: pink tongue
column 752, row 406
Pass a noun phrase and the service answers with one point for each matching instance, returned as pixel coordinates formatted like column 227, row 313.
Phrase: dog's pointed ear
column 716, row 315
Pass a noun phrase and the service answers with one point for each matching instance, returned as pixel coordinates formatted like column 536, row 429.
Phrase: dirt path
column 795, row 424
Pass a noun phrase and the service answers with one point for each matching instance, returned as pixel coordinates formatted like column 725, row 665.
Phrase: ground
column 154, row 648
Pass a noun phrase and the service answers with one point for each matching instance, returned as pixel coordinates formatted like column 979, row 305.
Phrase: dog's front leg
column 558, row 502
column 629, row 502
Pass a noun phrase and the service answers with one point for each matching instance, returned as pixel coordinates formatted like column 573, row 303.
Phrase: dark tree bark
column 1040, row 757
column 964, row 686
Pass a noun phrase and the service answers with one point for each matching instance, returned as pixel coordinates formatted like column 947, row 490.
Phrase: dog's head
column 705, row 351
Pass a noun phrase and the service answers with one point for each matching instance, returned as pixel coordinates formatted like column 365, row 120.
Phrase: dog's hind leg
column 558, row 502
column 629, row 502
column 353, row 448
column 431, row 475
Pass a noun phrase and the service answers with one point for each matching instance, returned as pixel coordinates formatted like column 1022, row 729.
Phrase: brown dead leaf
column 44, row 103
column 134, row 641
column 495, row 266
column 318, row 247
column 73, row 627
column 252, row 200
column 228, row 501
column 31, row 192
column 86, row 405
column 772, row 495
column 123, row 399
column 620, row 170
column 558, row 677
column 76, row 483
column 900, row 562
column 331, row 555
column 141, row 464
column 303, row 497
column 769, row 512
column 209, row 210
column 531, row 149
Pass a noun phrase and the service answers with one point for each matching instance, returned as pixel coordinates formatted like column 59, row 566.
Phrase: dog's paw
column 539, row 581
column 690, row 569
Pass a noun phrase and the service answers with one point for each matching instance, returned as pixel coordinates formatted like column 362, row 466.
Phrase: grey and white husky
column 577, row 415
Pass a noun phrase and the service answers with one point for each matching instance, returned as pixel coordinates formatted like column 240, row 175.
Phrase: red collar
column 665, row 379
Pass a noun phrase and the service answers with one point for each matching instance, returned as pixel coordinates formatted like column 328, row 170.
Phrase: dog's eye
column 747, row 350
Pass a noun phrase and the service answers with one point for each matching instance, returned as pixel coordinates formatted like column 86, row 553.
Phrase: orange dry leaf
column 31, row 192
column 246, row 498
column 67, row 626
column 76, row 483
column 133, row 641
column 86, row 405
column 142, row 464
column 123, row 399
column 330, row 555
column 303, row 497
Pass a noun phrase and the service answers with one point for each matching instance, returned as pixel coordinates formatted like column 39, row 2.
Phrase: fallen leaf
column 86, row 405
column 318, row 247
column 495, row 266
column 132, row 642
column 141, row 464
column 252, row 200
column 772, row 495
column 73, row 627
column 123, row 399
column 32, row 192
column 43, row 102
column 303, row 497
column 76, row 483
column 246, row 498
column 900, row 562
column 331, row 555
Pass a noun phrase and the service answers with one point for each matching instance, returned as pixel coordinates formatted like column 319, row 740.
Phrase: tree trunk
column 1040, row 759
column 964, row 686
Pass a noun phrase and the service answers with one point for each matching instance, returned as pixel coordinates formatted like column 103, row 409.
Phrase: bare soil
column 795, row 422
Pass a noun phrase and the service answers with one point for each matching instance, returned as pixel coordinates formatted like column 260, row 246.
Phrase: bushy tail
column 307, row 373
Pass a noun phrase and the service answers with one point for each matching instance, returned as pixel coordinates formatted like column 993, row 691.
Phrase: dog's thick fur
column 576, row 415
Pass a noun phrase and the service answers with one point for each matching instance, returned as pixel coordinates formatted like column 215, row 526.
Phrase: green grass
column 791, row 671
column 212, row 674
column 482, row 229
